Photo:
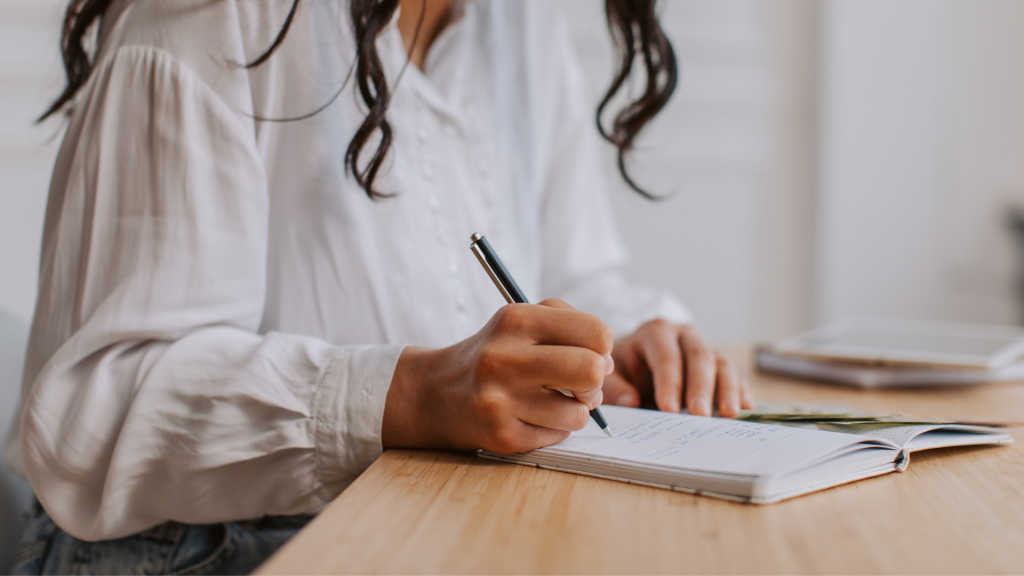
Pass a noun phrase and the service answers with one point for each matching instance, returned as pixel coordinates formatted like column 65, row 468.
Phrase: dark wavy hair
column 633, row 24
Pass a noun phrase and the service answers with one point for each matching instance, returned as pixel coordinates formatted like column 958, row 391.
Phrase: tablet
column 899, row 341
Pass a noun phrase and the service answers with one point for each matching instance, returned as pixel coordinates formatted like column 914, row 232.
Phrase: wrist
column 409, row 414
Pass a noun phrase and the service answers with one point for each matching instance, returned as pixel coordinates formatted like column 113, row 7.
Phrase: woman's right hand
column 498, row 390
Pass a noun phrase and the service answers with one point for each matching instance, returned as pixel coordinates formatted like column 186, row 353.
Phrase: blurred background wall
column 30, row 74
column 922, row 157
column 821, row 158
column 829, row 158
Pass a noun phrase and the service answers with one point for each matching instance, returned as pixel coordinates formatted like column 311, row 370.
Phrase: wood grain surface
column 954, row 511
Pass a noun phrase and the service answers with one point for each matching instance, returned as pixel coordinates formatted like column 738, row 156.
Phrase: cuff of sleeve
column 349, row 412
column 650, row 305
column 628, row 306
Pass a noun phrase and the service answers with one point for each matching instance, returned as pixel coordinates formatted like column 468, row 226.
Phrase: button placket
column 435, row 183
column 431, row 186
column 477, row 140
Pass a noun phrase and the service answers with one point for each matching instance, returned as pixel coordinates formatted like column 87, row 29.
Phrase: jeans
column 172, row 548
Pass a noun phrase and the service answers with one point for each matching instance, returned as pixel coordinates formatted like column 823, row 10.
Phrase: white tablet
column 897, row 341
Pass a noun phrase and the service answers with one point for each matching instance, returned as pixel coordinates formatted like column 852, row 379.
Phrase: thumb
column 618, row 391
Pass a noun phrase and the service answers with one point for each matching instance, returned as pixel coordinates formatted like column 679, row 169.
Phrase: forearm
column 222, row 424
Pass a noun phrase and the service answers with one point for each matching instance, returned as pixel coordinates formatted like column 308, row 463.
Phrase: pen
column 510, row 290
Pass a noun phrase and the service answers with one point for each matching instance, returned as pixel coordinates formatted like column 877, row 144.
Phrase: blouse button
column 453, row 266
column 460, row 301
column 433, row 202
column 428, row 172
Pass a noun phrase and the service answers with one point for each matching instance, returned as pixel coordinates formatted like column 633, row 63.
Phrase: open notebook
column 746, row 461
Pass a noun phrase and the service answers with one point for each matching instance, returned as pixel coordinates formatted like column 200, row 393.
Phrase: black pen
column 510, row 290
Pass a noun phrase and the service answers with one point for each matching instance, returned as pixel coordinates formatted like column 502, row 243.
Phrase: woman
column 256, row 271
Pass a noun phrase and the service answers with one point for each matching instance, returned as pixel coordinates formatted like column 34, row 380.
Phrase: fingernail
column 624, row 400
column 673, row 406
column 609, row 365
column 702, row 407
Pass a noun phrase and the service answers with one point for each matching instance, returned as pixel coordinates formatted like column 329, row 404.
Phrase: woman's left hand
column 666, row 363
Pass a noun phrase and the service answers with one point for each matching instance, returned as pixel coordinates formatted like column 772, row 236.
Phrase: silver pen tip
column 608, row 431
column 476, row 237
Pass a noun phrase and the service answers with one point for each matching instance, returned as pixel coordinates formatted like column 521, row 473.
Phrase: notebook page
column 710, row 444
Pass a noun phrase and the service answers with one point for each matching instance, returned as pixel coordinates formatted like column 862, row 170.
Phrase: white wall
column 922, row 154
column 735, row 149
column 30, row 76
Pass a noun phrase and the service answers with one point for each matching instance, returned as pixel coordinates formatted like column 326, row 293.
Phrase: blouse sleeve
column 581, row 245
column 149, row 396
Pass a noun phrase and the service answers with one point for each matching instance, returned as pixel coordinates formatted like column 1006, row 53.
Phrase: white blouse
column 221, row 307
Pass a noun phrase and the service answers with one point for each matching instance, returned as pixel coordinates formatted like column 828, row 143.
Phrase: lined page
column 709, row 444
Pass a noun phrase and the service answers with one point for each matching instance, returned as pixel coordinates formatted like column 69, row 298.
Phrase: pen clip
column 483, row 262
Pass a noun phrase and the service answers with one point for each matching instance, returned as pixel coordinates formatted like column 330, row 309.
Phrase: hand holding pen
column 499, row 388
column 513, row 294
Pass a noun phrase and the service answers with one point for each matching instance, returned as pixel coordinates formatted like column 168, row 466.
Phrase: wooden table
column 957, row 510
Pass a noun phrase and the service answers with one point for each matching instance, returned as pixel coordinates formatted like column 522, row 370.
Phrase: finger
column 560, row 367
column 590, row 399
column 661, row 352
column 552, row 409
column 523, row 437
column 700, row 373
column 631, row 365
column 618, row 391
column 543, row 324
column 746, row 396
column 727, row 392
